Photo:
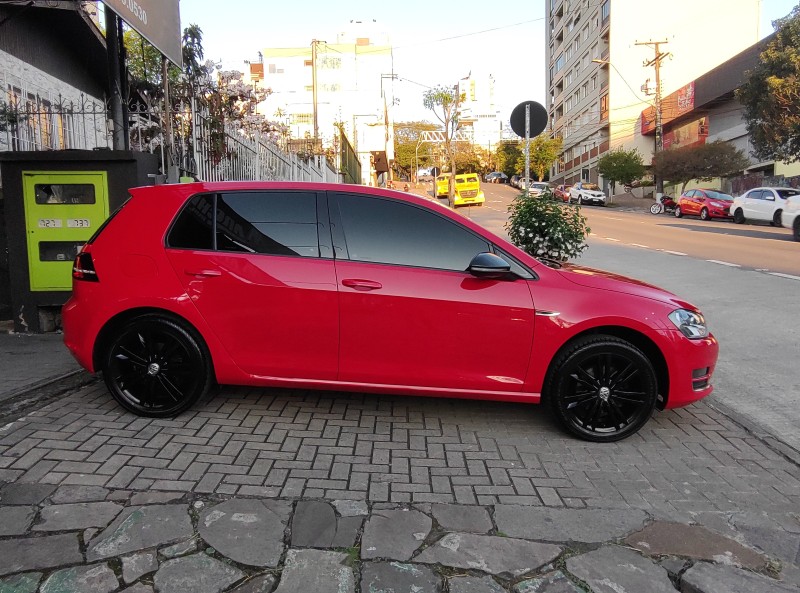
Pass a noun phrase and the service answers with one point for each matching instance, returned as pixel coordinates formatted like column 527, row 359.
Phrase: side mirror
column 489, row 265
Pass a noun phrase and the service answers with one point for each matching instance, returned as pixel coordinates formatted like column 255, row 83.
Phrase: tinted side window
column 788, row 193
column 756, row 194
column 193, row 227
column 384, row 231
column 268, row 222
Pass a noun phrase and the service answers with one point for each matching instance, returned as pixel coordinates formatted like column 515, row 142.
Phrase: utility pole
column 656, row 63
column 314, row 44
column 115, row 79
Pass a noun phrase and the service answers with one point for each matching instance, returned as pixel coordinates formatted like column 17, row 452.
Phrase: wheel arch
column 118, row 320
column 638, row 339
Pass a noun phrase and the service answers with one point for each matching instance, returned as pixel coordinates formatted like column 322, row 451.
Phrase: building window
column 584, row 90
column 595, row 50
column 605, row 10
column 302, row 118
column 594, row 82
column 604, row 108
column 585, row 33
column 560, row 62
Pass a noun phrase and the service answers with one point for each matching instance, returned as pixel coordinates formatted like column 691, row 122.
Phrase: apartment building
column 353, row 75
column 597, row 79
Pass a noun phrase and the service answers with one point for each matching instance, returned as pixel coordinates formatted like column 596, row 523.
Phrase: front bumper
column 691, row 365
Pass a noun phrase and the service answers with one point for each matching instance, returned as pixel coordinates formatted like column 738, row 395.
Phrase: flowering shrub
column 543, row 228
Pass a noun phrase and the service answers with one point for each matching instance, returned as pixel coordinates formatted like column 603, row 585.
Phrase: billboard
column 158, row 21
column 673, row 106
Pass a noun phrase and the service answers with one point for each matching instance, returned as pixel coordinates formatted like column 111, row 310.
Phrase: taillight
column 83, row 268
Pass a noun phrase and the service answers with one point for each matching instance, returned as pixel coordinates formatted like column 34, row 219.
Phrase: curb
column 770, row 440
column 21, row 401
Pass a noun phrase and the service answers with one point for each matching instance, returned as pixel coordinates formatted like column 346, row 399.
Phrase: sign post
column 528, row 119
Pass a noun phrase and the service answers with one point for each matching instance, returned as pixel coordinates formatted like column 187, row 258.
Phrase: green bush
column 543, row 228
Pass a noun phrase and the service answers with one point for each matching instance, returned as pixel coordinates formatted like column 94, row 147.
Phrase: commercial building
column 478, row 114
column 706, row 110
column 597, row 81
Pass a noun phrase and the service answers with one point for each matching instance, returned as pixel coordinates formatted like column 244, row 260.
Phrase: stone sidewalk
column 259, row 490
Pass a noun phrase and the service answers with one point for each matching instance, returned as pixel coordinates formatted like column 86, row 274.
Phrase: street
column 744, row 278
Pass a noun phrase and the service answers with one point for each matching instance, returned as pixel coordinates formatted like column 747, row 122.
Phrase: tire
column 678, row 212
column 580, row 199
column 738, row 216
column 656, row 209
column 601, row 389
column 704, row 215
column 155, row 367
column 776, row 218
column 796, row 228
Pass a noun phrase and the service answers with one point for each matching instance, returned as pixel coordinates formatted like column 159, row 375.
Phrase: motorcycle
column 664, row 204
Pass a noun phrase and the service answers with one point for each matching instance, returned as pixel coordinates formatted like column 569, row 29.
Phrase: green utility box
column 53, row 203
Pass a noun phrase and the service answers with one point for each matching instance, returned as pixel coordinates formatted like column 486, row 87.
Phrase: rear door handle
column 358, row 284
column 203, row 273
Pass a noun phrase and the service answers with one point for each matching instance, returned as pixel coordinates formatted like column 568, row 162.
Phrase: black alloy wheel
column 776, row 218
column 704, row 215
column 602, row 389
column 155, row 367
column 738, row 216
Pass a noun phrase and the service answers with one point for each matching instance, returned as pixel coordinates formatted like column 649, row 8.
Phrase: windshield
column 715, row 195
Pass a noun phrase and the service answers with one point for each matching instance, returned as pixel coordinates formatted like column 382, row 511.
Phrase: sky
column 434, row 42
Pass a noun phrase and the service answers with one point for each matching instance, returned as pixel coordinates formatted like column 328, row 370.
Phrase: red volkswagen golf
column 324, row 286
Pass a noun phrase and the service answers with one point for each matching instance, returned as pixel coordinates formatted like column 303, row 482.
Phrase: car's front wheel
column 738, row 216
column 155, row 367
column 602, row 389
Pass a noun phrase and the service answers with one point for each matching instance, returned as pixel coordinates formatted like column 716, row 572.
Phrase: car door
column 263, row 278
column 687, row 202
column 765, row 206
column 410, row 315
column 751, row 206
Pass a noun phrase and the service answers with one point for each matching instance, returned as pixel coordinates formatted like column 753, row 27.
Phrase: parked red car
column 326, row 286
column 562, row 193
column 705, row 203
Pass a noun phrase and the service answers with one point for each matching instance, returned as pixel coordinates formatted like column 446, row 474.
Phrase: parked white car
column 790, row 217
column 584, row 192
column 762, row 203
column 534, row 188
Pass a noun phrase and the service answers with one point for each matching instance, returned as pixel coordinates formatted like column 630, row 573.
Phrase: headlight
column 691, row 324
column 717, row 204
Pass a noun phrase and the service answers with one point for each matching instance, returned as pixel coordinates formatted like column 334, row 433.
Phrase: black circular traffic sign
column 538, row 120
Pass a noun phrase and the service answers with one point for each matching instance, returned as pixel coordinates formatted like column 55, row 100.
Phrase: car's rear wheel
column 602, row 389
column 704, row 214
column 738, row 216
column 796, row 228
column 678, row 212
column 155, row 367
column 776, row 218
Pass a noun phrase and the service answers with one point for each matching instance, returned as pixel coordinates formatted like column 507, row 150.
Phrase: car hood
column 593, row 192
column 603, row 280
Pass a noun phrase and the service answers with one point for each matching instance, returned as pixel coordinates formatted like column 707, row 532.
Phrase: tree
column 443, row 101
column 771, row 95
column 703, row 163
column 623, row 166
column 507, row 157
column 543, row 153
column 406, row 140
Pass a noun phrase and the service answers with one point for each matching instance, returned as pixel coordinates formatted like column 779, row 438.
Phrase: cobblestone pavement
column 262, row 490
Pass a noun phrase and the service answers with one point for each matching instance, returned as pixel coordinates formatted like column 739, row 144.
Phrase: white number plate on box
column 78, row 223
column 50, row 223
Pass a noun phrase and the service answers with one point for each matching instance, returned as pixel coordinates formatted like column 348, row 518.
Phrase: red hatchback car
column 354, row 288
column 705, row 203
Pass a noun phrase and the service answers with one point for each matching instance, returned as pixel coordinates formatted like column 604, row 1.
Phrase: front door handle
column 358, row 284
column 203, row 273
